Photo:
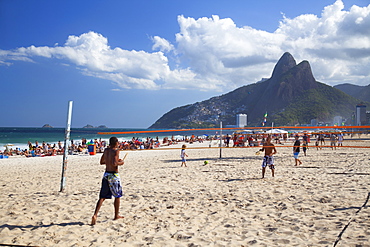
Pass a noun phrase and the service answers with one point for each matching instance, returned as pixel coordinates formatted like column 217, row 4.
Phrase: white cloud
column 337, row 44
column 216, row 54
column 162, row 44
column 91, row 53
column 225, row 55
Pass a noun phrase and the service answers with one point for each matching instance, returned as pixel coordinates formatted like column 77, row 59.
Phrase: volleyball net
column 349, row 132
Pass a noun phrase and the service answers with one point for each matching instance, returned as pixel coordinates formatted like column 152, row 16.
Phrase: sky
column 126, row 63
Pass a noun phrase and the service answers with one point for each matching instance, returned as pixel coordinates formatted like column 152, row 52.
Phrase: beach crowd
column 82, row 147
column 234, row 140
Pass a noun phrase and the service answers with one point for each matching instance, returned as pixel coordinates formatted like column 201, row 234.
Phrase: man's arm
column 102, row 159
column 117, row 160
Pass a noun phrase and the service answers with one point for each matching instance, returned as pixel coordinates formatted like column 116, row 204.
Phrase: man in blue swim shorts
column 268, row 159
column 111, row 184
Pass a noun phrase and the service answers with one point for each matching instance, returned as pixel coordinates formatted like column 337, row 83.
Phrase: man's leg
column 263, row 171
column 97, row 208
column 116, row 208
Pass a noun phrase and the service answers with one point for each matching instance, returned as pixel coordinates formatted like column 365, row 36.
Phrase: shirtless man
column 268, row 159
column 111, row 184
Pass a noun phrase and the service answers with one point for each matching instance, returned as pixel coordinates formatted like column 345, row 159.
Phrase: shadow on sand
column 33, row 227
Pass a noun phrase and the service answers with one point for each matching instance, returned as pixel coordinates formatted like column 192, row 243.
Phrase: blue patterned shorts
column 111, row 186
column 268, row 161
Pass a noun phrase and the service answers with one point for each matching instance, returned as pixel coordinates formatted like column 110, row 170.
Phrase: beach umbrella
column 276, row 131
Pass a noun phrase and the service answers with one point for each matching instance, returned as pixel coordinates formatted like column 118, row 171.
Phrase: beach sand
column 224, row 203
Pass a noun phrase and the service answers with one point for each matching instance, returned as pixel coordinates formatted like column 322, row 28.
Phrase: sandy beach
column 224, row 203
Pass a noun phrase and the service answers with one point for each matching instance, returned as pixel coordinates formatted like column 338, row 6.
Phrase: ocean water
column 19, row 137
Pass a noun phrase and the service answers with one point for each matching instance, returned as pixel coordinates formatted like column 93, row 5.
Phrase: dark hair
column 113, row 141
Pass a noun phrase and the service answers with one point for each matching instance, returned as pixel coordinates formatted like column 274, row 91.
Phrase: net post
column 220, row 140
column 66, row 146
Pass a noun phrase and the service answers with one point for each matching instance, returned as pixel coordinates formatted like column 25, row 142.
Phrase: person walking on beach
column 111, row 184
column 268, row 159
column 183, row 155
column 296, row 150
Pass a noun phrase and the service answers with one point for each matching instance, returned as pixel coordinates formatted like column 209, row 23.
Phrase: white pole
column 220, row 140
column 66, row 146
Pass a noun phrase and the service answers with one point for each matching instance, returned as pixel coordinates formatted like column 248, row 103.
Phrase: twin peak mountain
column 291, row 96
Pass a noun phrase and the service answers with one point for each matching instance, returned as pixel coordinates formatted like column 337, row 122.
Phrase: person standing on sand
column 305, row 139
column 304, row 147
column 317, row 144
column 183, row 155
column 111, row 184
column 268, row 159
column 227, row 140
column 321, row 139
column 296, row 147
column 340, row 140
column 333, row 141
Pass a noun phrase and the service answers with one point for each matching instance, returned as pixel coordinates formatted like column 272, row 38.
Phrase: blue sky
column 126, row 63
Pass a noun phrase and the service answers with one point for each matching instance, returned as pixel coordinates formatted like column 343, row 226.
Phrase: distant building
column 360, row 115
column 367, row 117
column 314, row 122
column 241, row 120
column 338, row 120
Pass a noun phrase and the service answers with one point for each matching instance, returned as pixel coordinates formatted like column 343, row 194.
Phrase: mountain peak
column 291, row 96
column 285, row 63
